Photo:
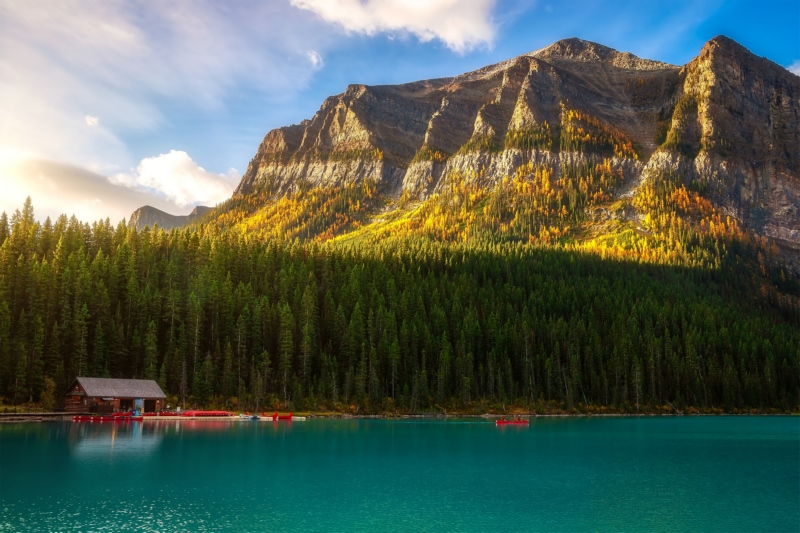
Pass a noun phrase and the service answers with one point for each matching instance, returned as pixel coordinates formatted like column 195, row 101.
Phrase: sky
column 108, row 105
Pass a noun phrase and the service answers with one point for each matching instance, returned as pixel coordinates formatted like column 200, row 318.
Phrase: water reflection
column 89, row 441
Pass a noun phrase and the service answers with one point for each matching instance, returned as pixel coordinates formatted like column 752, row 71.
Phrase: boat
column 276, row 417
column 116, row 417
column 518, row 422
column 248, row 416
column 196, row 413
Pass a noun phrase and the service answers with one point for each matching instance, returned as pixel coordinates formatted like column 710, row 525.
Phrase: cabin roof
column 121, row 388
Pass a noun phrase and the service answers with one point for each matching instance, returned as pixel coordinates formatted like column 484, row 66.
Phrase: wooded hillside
column 407, row 323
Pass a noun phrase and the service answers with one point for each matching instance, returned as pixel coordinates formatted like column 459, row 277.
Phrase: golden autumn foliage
column 536, row 137
column 317, row 213
column 428, row 153
column 581, row 132
column 574, row 206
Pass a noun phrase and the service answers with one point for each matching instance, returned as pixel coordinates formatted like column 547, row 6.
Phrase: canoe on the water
column 276, row 416
column 511, row 422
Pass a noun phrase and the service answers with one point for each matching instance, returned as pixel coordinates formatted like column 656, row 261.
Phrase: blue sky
column 108, row 104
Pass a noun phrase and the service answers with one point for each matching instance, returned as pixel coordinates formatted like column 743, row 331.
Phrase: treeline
column 219, row 318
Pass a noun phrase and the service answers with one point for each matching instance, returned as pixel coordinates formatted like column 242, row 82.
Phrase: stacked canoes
column 275, row 417
column 517, row 422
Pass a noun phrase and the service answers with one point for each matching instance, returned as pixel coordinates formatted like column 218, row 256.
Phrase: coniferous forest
column 411, row 324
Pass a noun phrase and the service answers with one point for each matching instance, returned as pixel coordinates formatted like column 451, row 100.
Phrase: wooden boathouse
column 106, row 395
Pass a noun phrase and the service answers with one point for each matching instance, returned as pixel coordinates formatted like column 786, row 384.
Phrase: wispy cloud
column 460, row 24
column 315, row 59
column 64, row 64
column 794, row 67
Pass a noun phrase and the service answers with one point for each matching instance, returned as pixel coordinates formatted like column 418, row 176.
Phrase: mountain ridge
column 726, row 124
column 151, row 216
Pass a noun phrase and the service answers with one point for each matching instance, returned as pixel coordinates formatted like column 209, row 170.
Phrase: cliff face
column 383, row 132
column 150, row 216
column 740, row 137
column 727, row 122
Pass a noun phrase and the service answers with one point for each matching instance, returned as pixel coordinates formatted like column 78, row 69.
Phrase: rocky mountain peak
column 724, row 45
column 723, row 53
column 578, row 50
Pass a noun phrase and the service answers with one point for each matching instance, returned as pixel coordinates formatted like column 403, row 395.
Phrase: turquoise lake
column 574, row 474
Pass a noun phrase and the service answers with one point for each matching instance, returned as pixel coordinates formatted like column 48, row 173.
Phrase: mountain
column 575, row 230
column 402, row 135
column 150, row 216
column 725, row 127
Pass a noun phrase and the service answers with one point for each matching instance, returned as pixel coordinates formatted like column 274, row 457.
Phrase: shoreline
column 7, row 418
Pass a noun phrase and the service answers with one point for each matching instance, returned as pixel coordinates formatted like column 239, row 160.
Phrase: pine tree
column 36, row 362
column 443, row 375
column 7, row 365
column 229, row 374
column 309, row 333
column 81, row 340
column 20, row 386
column 151, row 352
column 394, row 361
column 203, row 384
column 286, row 342
column 48, row 394
column 4, row 229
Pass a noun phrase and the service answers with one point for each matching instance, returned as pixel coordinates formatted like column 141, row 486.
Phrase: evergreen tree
column 20, row 384
column 480, row 322
column 151, row 352
column 286, row 343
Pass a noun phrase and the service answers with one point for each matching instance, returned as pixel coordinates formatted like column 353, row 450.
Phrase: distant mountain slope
column 150, row 216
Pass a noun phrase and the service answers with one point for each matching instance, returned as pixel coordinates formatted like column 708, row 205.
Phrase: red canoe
column 109, row 418
column 504, row 422
column 205, row 413
column 276, row 416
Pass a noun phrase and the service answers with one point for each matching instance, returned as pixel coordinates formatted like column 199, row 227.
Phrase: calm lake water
column 635, row 474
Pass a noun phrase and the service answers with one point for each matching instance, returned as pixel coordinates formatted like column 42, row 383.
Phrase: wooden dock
column 59, row 416
column 233, row 418
column 36, row 417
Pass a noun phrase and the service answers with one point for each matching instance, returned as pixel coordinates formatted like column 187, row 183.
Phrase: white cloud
column 133, row 63
column 315, row 59
column 177, row 178
column 91, row 121
column 459, row 24
column 56, row 189
column 794, row 67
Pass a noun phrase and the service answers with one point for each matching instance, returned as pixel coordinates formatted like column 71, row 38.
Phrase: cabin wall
column 75, row 399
